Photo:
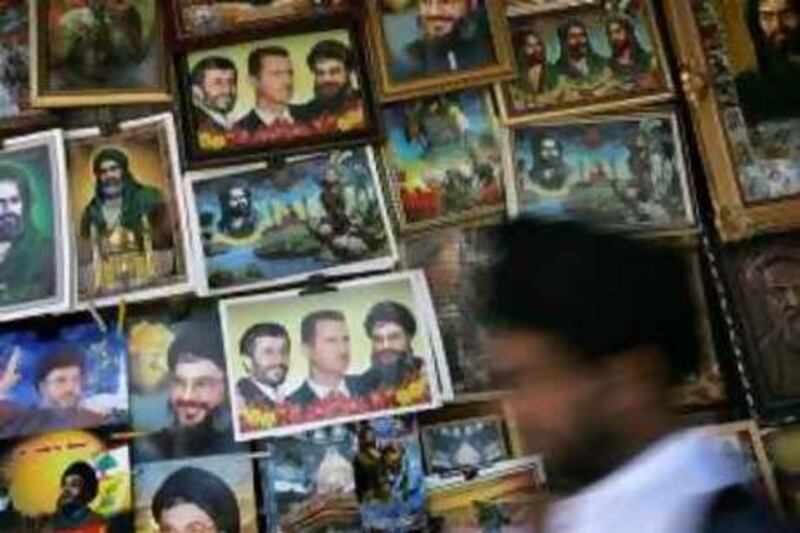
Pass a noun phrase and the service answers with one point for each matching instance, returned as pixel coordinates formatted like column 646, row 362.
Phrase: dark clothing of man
column 28, row 271
column 344, row 102
column 407, row 369
column 468, row 46
column 735, row 510
column 253, row 396
column 207, row 124
column 252, row 123
column 213, row 436
column 77, row 519
column 595, row 66
column 305, row 395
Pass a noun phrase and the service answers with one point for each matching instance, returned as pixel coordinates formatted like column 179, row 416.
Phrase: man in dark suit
column 326, row 343
column 265, row 348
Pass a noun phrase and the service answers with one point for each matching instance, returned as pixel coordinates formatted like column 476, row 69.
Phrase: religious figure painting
column 623, row 172
column 584, row 58
column 423, row 46
column 95, row 52
column 468, row 444
column 127, row 212
column 259, row 225
column 443, row 156
column 35, row 258
column 302, row 360
column 286, row 94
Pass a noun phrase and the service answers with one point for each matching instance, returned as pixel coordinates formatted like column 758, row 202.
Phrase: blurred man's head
column 326, row 341
column 574, row 40
column 533, row 49
column 621, row 35
column 779, row 24
column 78, row 486
column 214, row 83
column 196, row 375
column 272, row 74
column 391, row 327
column 194, row 500
column 59, row 380
column 14, row 200
column 266, row 347
column 110, row 168
column 779, row 273
column 332, row 64
column 589, row 329
column 439, row 19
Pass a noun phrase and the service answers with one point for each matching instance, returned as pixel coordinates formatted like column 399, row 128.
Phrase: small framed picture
column 444, row 159
column 16, row 112
column 764, row 276
column 309, row 483
column 468, row 444
column 626, row 172
column 193, row 21
column 179, row 392
column 524, row 7
column 214, row 493
column 75, row 380
column 35, row 257
column 305, row 87
column 70, row 480
column 102, row 53
column 127, row 212
column 741, row 78
column 346, row 352
column 588, row 58
column 422, row 47
column 261, row 225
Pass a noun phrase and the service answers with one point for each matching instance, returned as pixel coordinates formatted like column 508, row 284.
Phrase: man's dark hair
column 225, row 191
column 760, row 43
column 110, row 154
column 601, row 293
column 210, row 63
column 203, row 489
column 564, row 28
column 308, row 327
column 758, row 265
column 20, row 179
column 87, row 473
column 197, row 341
column 248, row 340
column 330, row 49
column 62, row 358
column 388, row 311
column 254, row 59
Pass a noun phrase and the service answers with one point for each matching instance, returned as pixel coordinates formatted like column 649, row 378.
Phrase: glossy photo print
column 76, row 380
column 15, row 102
column 390, row 481
column 127, row 212
column 308, row 482
column 423, row 46
column 35, row 262
column 193, row 20
column 444, row 159
column 213, row 494
column 285, row 94
column 179, row 398
column 584, row 58
column 765, row 277
column 65, row 481
column 261, row 225
column 97, row 52
column 464, row 445
column 362, row 348
column 628, row 173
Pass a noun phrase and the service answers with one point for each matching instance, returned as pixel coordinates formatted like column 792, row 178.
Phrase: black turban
column 203, row 489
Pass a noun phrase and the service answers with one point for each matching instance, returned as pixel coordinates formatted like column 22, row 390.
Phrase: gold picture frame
column 390, row 90
column 707, row 82
column 155, row 90
column 615, row 88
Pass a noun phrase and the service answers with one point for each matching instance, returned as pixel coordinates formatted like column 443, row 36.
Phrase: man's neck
column 625, row 57
column 329, row 381
column 271, row 107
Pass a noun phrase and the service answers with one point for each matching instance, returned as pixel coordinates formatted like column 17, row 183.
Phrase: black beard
column 392, row 373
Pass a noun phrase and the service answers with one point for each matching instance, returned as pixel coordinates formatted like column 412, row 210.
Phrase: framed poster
column 741, row 79
column 127, row 213
column 262, row 225
column 422, row 47
column 465, row 444
column 584, row 59
column 304, row 88
column 359, row 349
column 35, row 258
column 106, row 53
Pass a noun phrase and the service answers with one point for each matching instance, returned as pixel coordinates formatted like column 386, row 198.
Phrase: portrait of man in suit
column 326, row 343
column 265, row 349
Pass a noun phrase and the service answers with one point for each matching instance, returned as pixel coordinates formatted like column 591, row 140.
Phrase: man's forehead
column 783, row 271
column 8, row 186
column 773, row 6
column 386, row 326
column 196, row 367
column 109, row 163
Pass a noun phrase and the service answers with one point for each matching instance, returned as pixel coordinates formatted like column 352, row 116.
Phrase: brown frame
column 735, row 218
column 390, row 91
column 196, row 158
column 577, row 108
